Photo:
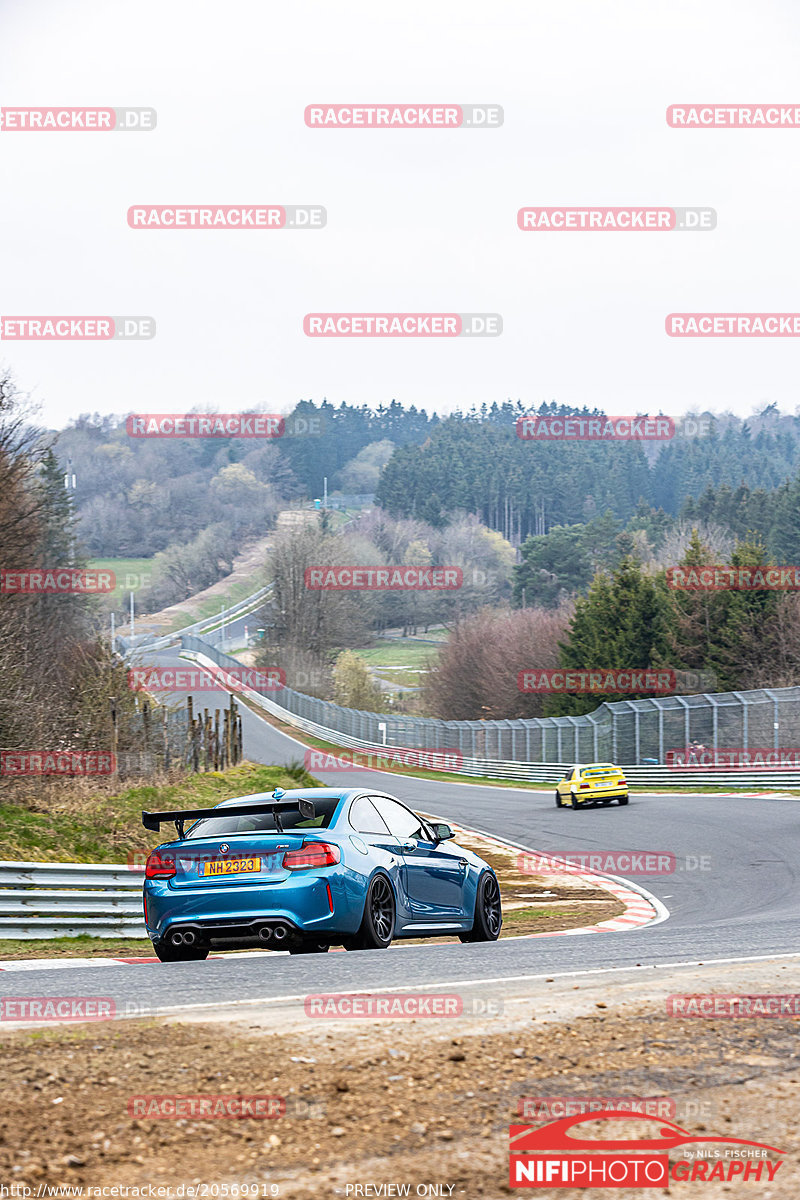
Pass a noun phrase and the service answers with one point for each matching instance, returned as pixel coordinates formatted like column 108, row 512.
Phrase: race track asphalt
column 734, row 894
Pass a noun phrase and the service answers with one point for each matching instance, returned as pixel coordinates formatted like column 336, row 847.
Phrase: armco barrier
column 212, row 627
column 625, row 731
column 49, row 900
column 484, row 767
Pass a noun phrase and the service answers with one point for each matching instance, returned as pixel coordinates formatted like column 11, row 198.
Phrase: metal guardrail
column 50, row 900
column 493, row 768
column 207, row 625
column 625, row 731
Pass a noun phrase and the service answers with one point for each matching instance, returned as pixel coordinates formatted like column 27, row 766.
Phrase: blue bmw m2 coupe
column 309, row 869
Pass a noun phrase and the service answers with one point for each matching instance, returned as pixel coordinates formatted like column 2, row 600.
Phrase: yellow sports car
column 597, row 783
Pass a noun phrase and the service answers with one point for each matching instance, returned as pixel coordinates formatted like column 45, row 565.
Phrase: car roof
column 308, row 793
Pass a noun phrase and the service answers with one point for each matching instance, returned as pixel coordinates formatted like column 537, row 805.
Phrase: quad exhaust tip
column 279, row 933
column 184, row 939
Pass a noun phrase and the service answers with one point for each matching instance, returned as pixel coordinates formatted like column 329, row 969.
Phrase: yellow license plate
column 230, row 866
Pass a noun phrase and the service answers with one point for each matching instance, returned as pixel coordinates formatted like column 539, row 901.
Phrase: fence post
column 113, row 704
column 189, row 726
column 636, row 735
column 216, row 739
column 165, row 737
column 196, row 745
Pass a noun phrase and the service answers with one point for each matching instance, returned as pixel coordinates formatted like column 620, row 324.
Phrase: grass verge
column 59, row 825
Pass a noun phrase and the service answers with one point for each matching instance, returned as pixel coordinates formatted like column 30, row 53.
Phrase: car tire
column 622, row 800
column 377, row 925
column 574, row 805
column 559, row 803
column 169, row 953
column 488, row 919
column 310, row 948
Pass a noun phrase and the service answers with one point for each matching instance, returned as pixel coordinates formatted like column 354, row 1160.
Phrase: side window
column 364, row 817
column 402, row 823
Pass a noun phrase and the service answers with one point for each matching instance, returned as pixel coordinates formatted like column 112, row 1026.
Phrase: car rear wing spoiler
column 153, row 820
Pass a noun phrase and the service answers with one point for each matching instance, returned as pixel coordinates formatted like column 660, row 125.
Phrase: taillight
column 622, row 782
column 159, row 867
column 585, row 785
column 311, row 854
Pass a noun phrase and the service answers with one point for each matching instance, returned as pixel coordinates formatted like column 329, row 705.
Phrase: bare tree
column 476, row 673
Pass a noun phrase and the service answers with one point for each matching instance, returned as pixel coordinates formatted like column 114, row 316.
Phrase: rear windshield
column 603, row 769
column 264, row 822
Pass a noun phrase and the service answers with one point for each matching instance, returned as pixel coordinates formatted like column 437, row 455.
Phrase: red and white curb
column 46, row 964
column 641, row 907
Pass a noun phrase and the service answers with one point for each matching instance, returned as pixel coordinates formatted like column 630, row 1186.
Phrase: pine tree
column 624, row 623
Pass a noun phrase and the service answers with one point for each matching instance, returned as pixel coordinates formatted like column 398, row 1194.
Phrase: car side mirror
column 442, row 832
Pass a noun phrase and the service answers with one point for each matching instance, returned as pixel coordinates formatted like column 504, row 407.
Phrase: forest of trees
column 564, row 545
column 306, row 629
column 136, row 497
column 522, row 488
column 628, row 618
column 57, row 671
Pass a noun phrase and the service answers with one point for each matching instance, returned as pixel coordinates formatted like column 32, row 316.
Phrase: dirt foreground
column 422, row 1103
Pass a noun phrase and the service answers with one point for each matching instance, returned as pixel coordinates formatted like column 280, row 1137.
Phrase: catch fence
column 629, row 732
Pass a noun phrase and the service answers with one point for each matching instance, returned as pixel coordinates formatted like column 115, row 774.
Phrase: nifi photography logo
column 561, row 1155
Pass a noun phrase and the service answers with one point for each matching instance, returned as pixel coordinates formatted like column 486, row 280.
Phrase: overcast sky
column 417, row 220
